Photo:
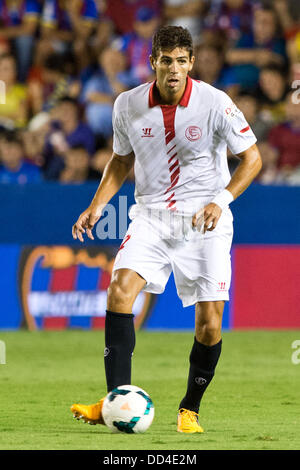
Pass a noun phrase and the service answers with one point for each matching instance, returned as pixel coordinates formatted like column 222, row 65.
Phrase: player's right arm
column 114, row 175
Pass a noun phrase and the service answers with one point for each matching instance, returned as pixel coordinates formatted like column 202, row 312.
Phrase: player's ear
column 152, row 62
column 192, row 60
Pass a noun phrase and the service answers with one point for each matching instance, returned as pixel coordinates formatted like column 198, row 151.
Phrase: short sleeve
column 121, row 142
column 232, row 126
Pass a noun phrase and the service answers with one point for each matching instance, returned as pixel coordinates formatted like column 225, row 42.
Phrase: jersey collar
column 153, row 98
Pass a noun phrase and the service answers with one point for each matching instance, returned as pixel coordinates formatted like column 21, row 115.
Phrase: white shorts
column 154, row 247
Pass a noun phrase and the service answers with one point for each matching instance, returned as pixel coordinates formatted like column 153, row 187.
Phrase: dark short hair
column 69, row 100
column 62, row 63
column 275, row 69
column 168, row 38
column 12, row 137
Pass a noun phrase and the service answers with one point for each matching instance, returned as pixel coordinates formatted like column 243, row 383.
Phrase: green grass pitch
column 252, row 403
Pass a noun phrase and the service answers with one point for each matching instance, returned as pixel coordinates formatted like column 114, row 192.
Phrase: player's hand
column 207, row 218
column 86, row 222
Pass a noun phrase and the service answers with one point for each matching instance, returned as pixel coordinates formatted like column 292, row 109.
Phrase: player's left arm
column 248, row 168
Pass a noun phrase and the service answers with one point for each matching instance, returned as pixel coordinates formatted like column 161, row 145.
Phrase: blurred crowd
column 63, row 63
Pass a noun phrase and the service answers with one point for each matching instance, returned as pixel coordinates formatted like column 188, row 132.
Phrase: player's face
column 171, row 68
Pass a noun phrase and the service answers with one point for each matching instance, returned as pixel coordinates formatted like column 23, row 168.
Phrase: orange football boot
column 187, row 421
column 91, row 414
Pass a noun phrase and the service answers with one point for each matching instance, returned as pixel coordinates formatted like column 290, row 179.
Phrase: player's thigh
column 202, row 267
column 145, row 253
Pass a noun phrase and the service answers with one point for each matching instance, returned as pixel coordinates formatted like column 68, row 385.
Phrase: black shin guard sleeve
column 119, row 346
column 203, row 361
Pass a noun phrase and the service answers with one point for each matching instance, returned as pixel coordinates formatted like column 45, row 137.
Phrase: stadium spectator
column 255, row 50
column 288, row 12
column 285, row 138
column 250, row 49
column 68, row 25
column 123, row 14
column 51, row 81
column 271, row 93
column 250, row 107
column 269, row 173
column 77, row 166
column 210, row 68
column 137, row 46
column 67, row 130
column 228, row 20
column 102, row 88
column 14, row 168
column 19, row 21
column 186, row 13
column 103, row 36
column 34, row 136
column 102, row 157
column 14, row 111
column 63, row 21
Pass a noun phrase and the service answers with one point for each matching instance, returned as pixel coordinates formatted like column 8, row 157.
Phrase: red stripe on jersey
column 175, row 174
column 171, row 149
column 245, row 129
column 172, row 185
column 169, row 118
column 175, row 164
column 170, row 197
column 170, row 159
column 171, row 204
column 169, row 113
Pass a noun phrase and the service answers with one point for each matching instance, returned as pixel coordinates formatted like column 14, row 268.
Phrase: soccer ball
column 128, row 409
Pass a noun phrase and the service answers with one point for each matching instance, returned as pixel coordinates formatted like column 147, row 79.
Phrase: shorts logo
column 222, row 286
column 200, row 381
column 193, row 133
column 147, row 132
column 106, row 352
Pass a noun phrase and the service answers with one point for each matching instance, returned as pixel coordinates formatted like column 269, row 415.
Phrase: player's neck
column 167, row 98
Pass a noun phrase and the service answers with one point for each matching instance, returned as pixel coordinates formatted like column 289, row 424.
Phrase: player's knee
column 209, row 331
column 119, row 295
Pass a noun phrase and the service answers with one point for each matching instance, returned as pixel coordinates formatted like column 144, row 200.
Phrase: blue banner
column 50, row 281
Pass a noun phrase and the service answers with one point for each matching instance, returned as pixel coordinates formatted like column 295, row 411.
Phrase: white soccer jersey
column 181, row 150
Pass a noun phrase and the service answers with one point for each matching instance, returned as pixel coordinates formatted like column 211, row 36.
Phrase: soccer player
column 175, row 131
